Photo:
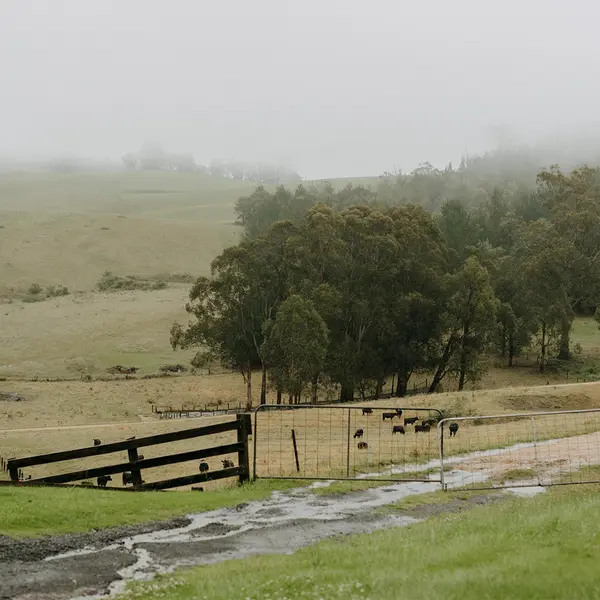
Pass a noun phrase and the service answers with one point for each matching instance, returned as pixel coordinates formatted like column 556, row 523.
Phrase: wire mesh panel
column 340, row 442
column 545, row 448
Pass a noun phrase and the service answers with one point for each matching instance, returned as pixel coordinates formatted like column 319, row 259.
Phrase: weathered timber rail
column 136, row 464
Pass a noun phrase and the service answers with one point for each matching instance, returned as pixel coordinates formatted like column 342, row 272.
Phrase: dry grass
column 87, row 333
column 321, row 434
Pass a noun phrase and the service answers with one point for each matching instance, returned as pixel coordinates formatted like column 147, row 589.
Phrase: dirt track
column 97, row 563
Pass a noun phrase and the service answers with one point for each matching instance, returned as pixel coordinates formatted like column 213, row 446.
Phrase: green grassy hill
column 69, row 229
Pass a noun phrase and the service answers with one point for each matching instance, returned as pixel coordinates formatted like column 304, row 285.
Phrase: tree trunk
column 442, row 364
column 249, row 389
column 462, row 369
column 401, row 385
column 347, row 393
column 315, row 389
column 543, row 349
column 503, row 344
column 263, row 385
column 511, row 350
column 564, row 351
column 278, row 396
column 291, row 399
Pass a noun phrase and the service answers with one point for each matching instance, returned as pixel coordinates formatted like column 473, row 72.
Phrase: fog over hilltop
column 333, row 89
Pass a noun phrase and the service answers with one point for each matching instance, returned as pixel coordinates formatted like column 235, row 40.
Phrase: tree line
column 152, row 157
column 339, row 290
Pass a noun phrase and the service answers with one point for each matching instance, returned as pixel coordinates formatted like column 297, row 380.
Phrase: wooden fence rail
column 135, row 465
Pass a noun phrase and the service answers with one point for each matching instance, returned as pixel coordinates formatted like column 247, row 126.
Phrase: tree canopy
column 341, row 289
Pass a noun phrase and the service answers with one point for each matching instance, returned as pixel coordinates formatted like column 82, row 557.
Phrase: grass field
column 72, row 510
column 321, row 434
column 69, row 229
column 544, row 547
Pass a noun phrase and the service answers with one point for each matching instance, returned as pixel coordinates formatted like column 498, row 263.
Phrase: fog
column 332, row 88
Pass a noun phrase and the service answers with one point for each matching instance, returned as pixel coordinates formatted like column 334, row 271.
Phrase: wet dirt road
column 99, row 563
column 85, row 566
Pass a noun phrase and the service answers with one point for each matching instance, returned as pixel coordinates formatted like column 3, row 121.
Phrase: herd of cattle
column 424, row 427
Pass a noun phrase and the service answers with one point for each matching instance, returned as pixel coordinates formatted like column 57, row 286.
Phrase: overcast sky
column 332, row 87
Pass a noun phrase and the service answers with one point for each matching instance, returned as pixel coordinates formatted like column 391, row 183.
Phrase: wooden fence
column 136, row 464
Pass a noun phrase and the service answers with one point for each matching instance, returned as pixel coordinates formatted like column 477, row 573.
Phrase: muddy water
column 282, row 524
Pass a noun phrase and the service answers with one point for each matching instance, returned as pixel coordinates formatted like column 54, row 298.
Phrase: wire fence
column 516, row 450
column 341, row 442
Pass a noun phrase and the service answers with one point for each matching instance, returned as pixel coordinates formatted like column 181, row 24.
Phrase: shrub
column 110, row 282
column 53, row 291
column 34, row 289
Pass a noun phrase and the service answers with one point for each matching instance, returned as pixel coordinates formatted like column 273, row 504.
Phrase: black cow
column 227, row 463
column 389, row 415
column 203, row 468
column 423, row 428
column 399, row 412
column 453, row 429
column 398, row 429
column 103, row 480
column 97, row 442
column 362, row 445
column 359, row 433
column 127, row 478
column 410, row 420
column 367, row 411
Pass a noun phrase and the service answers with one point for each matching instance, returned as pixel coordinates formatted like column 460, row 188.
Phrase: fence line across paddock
column 322, row 442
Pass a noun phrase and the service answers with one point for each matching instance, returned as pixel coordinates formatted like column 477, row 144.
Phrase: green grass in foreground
column 26, row 512
column 541, row 548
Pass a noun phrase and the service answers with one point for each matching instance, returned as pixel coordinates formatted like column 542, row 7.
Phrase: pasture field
column 322, row 434
column 69, row 228
column 446, row 557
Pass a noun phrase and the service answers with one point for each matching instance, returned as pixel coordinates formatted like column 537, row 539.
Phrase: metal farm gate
column 346, row 442
column 520, row 450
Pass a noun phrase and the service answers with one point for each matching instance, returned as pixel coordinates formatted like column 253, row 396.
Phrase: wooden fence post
column 244, row 430
column 14, row 473
column 136, row 474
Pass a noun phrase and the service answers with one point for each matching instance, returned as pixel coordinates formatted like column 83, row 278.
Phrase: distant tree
column 459, row 231
column 130, row 160
column 470, row 320
column 296, row 347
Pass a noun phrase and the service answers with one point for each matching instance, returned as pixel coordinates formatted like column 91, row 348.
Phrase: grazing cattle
column 227, row 463
column 389, row 416
column 410, row 421
column 453, row 429
column 367, row 411
column 399, row 412
column 359, row 433
column 203, row 467
column 127, row 478
column 97, row 442
column 398, row 429
column 103, row 480
column 362, row 445
column 423, row 428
